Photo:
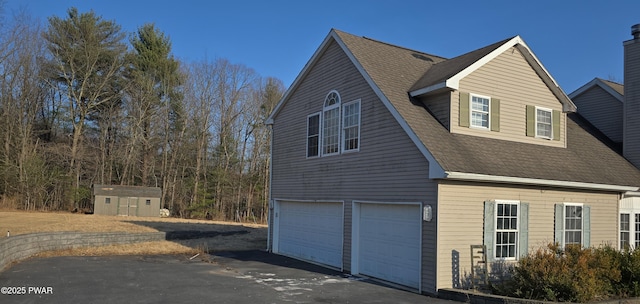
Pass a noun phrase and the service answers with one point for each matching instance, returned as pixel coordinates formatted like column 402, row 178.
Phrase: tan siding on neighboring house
column 511, row 79
column 440, row 106
column 388, row 167
column 602, row 110
column 461, row 218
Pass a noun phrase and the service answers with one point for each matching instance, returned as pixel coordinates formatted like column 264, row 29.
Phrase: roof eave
column 301, row 75
column 446, row 85
column 462, row 176
column 601, row 84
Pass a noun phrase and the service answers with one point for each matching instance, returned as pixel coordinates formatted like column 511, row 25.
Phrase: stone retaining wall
column 19, row 247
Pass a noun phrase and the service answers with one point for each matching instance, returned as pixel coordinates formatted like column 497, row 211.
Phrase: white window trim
column 471, row 125
column 564, row 225
column 342, row 129
column 495, row 230
column 536, row 122
column 306, row 152
column 325, row 109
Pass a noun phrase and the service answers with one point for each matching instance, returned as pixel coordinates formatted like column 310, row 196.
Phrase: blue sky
column 575, row 40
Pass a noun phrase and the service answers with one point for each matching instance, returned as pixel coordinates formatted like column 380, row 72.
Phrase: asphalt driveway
column 233, row 277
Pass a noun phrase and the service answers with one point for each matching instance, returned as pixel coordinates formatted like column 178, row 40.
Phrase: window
column 637, row 233
column 331, row 124
column 544, row 127
column 313, row 135
column 506, row 230
column 479, row 112
column 351, row 126
column 107, row 200
column 624, row 230
column 573, row 224
column 148, row 202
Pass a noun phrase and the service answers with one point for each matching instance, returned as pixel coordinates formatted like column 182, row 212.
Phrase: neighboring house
column 126, row 200
column 613, row 109
column 391, row 163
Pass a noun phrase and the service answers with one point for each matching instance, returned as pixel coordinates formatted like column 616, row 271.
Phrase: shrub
column 572, row 274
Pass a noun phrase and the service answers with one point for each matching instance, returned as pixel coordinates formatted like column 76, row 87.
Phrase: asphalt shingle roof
column 396, row 71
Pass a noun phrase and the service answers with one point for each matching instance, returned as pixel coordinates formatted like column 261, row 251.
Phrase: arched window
column 331, row 124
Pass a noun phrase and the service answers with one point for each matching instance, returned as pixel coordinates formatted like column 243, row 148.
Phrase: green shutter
column 555, row 124
column 559, row 227
column 495, row 114
column 464, row 109
column 531, row 121
column 586, row 226
column 489, row 228
column 523, row 237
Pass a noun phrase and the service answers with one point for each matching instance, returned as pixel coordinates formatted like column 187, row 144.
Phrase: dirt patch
column 183, row 236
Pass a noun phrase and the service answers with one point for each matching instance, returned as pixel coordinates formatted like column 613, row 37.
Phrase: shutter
column 495, row 114
column 531, row 121
column 464, row 109
column 586, row 226
column 555, row 124
column 489, row 228
column 559, row 224
column 523, row 236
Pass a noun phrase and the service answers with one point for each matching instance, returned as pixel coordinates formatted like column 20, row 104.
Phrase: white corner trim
column 534, row 181
column 435, row 169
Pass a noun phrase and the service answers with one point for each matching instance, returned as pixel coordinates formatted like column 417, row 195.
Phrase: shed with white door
column 126, row 200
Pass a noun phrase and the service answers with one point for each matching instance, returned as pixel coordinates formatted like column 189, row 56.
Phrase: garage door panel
column 389, row 242
column 311, row 231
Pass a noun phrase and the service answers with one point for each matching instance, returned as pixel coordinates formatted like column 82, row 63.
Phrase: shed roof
column 128, row 191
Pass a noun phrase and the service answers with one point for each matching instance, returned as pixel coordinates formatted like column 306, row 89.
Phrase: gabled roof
column 613, row 88
column 393, row 72
column 447, row 75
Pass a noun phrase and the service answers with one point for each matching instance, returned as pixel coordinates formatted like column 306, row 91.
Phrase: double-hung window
column 573, row 224
column 479, row 111
column 331, row 124
column 625, row 230
column 630, row 226
column 506, row 226
column 313, row 135
column 544, row 126
column 351, row 126
column 506, row 240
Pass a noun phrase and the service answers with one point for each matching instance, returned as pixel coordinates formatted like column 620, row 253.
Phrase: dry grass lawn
column 229, row 236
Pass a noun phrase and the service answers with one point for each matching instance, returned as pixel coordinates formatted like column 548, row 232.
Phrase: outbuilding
column 126, row 200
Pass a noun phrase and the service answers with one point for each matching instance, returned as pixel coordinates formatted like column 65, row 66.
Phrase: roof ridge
column 402, row 47
column 611, row 81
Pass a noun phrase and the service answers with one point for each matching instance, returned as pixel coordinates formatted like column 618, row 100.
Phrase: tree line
column 83, row 103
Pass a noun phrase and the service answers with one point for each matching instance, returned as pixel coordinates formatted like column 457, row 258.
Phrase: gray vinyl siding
column 461, row 212
column 347, row 236
column 602, row 110
column 440, row 106
column 631, row 142
column 429, row 243
column 388, row 167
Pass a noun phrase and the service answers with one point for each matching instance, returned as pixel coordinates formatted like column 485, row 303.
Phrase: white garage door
column 389, row 243
column 311, row 231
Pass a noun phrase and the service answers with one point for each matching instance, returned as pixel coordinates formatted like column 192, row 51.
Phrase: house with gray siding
column 612, row 109
column 391, row 163
column 126, row 200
